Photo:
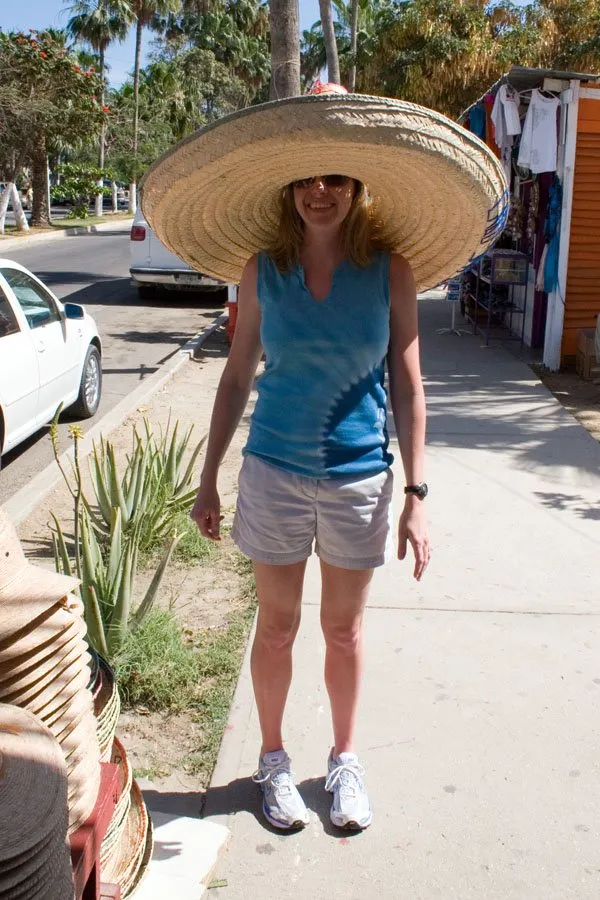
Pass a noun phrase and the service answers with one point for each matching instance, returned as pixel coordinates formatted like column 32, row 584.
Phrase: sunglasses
column 330, row 181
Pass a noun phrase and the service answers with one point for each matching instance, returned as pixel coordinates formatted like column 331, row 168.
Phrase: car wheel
column 90, row 388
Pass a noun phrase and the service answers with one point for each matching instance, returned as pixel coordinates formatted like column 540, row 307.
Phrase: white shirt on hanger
column 505, row 116
column 539, row 141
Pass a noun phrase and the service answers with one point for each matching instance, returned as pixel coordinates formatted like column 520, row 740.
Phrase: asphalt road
column 137, row 336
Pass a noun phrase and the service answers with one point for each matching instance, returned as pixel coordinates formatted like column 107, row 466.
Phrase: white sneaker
column 350, row 809
column 283, row 806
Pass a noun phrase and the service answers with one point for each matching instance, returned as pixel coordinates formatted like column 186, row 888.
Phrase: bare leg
column 279, row 591
column 343, row 598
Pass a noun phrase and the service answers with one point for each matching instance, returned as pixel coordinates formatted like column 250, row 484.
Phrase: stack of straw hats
column 129, row 857
column 107, row 705
column 44, row 664
column 127, row 845
column 35, row 863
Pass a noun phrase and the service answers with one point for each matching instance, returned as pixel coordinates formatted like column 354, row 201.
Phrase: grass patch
column 220, row 652
column 156, row 668
column 192, row 548
column 164, row 668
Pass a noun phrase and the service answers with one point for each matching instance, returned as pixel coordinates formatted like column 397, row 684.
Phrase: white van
column 152, row 265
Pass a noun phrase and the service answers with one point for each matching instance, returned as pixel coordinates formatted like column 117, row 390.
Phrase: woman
column 330, row 301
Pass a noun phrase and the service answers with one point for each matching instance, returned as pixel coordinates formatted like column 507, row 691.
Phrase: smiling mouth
column 320, row 205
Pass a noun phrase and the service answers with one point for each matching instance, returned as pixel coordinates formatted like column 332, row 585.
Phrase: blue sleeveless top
column 321, row 407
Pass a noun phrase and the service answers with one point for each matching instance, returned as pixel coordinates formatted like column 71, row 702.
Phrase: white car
column 152, row 265
column 50, row 353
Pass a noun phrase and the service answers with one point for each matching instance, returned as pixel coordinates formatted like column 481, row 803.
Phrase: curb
column 233, row 742
column 24, row 242
column 22, row 504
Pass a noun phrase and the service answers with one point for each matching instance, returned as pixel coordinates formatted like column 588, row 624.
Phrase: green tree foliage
column 78, row 184
column 47, row 102
column 370, row 14
column 99, row 23
column 177, row 95
column 235, row 32
column 444, row 53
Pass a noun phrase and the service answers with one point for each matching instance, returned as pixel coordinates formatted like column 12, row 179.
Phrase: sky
column 20, row 15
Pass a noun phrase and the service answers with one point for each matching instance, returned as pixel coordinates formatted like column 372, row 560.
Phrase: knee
column 344, row 638
column 276, row 636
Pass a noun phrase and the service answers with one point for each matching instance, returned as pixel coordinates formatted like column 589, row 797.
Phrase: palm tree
column 99, row 23
column 353, row 43
column 331, row 51
column 285, row 48
column 145, row 13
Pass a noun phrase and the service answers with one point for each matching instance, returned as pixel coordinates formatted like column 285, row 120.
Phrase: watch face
column 423, row 491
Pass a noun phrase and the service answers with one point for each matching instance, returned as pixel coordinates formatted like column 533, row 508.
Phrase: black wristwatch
column 419, row 490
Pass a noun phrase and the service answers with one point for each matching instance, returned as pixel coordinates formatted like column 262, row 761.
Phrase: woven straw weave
column 214, row 199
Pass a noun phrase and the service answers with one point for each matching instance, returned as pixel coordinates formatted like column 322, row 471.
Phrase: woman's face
column 324, row 201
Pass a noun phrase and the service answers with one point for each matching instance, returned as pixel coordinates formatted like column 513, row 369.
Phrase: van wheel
column 90, row 389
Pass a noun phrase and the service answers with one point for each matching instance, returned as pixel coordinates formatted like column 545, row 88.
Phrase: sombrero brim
column 214, row 199
column 29, row 596
column 37, row 633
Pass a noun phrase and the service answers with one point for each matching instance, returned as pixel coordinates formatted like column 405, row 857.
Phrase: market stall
column 540, row 282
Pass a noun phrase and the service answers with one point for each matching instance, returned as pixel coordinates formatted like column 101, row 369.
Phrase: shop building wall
column 582, row 302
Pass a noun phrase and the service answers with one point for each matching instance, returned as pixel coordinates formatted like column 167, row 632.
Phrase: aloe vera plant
column 154, row 488
column 108, row 537
column 108, row 583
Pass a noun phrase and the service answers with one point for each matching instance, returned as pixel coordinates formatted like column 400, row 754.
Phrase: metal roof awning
column 522, row 79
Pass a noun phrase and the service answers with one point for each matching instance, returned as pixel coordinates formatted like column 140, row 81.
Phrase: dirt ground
column 581, row 398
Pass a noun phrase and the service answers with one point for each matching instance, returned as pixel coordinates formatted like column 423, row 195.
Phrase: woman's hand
column 412, row 529
column 206, row 512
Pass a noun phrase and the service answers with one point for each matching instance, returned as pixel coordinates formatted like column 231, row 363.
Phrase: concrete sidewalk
column 479, row 721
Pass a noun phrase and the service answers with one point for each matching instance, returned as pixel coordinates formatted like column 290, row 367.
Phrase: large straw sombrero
column 214, row 199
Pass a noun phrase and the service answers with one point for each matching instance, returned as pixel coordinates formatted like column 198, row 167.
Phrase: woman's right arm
column 230, row 402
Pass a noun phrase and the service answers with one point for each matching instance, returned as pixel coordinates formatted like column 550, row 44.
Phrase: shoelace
column 273, row 775
column 353, row 773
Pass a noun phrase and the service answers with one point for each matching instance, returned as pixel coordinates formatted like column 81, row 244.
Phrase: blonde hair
column 363, row 233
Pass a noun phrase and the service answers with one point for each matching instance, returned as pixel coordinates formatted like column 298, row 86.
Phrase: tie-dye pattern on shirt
column 321, row 407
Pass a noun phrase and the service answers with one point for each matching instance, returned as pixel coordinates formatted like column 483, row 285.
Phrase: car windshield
column 8, row 321
column 36, row 303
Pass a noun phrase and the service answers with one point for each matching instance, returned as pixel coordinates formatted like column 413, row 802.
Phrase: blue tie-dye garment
column 321, row 407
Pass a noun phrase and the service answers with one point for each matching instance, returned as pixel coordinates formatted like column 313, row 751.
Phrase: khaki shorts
column 280, row 514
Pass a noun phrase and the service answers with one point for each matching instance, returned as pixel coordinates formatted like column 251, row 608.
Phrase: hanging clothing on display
column 539, row 141
column 552, row 235
column 505, row 116
column 477, row 120
column 488, row 104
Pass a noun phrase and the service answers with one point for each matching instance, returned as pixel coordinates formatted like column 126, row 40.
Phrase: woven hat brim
column 37, row 633
column 35, row 588
column 12, row 668
column 17, row 689
column 214, row 199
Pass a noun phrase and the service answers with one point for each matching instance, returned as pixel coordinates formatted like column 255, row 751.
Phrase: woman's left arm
column 408, row 406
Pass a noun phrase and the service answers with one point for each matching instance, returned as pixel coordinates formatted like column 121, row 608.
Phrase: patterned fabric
column 321, row 408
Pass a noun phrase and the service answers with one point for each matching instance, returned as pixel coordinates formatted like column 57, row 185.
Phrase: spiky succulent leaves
column 150, row 595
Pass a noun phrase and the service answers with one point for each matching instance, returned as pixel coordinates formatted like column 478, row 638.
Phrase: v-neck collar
column 302, row 275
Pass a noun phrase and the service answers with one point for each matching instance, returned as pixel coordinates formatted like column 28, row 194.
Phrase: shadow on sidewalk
column 242, row 795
